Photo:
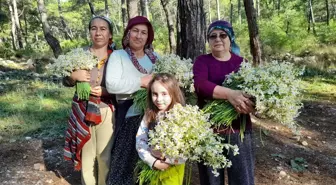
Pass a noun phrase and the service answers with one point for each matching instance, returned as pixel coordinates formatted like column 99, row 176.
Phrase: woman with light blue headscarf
column 210, row 71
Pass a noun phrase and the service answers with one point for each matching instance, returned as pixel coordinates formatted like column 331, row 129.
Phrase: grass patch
column 34, row 108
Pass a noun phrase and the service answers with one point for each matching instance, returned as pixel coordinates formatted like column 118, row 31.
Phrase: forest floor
column 281, row 157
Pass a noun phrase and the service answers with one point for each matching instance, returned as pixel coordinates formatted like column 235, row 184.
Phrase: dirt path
column 39, row 161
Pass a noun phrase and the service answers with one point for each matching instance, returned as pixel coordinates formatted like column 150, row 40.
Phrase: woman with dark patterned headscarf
column 90, row 126
column 128, row 71
column 210, row 71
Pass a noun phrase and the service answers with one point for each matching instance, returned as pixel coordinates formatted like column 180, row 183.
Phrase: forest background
column 34, row 106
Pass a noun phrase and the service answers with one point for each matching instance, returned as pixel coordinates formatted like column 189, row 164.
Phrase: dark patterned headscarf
column 148, row 49
column 225, row 26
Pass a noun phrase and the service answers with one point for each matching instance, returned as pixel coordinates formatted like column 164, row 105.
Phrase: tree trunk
column 239, row 12
column 253, row 31
column 51, row 40
column 231, row 12
column 170, row 25
column 218, row 12
column 107, row 14
column 258, row 7
column 144, row 8
column 17, row 24
column 132, row 8
column 192, row 28
column 209, row 3
column 13, row 30
column 124, row 13
column 328, row 13
column 279, row 6
column 67, row 32
column 311, row 17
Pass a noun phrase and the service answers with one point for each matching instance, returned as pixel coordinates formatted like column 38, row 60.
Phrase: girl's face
column 160, row 96
column 100, row 33
column 138, row 36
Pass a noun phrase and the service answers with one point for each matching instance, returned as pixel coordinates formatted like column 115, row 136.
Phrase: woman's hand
column 80, row 75
column 157, row 154
column 160, row 165
column 240, row 101
column 145, row 80
column 98, row 91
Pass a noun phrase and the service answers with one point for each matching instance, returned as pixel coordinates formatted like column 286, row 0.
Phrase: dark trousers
column 242, row 170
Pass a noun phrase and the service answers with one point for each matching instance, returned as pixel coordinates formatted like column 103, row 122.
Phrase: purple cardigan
column 210, row 72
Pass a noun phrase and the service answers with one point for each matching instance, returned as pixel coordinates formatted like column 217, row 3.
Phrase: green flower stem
column 83, row 90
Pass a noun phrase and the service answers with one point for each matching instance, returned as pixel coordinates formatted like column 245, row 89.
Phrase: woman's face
column 138, row 36
column 100, row 33
column 219, row 41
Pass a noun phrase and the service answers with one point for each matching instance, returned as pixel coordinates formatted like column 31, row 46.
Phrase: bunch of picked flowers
column 185, row 132
column 76, row 59
column 172, row 64
column 275, row 87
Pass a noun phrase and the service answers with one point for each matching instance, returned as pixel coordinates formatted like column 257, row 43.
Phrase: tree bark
column 124, row 13
column 107, row 13
column 17, row 24
column 209, row 9
column 191, row 37
column 144, row 8
column 51, row 40
column 218, row 12
column 311, row 17
column 279, row 6
column 253, row 32
column 231, row 12
column 258, row 7
column 13, row 28
column 328, row 13
column 132, row 8
column 239, row 12
column 170, row 25
column 66, row 30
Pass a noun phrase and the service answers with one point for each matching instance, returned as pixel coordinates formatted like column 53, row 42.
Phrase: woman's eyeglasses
column 221, row 36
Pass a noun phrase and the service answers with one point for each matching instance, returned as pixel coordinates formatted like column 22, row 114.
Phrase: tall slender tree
column 13, row 27
column 328, row 12
column 17, row 24
column 218, row 12
column 209, row 11
column 253, row 31
column 231, row 12
column 311, row 19
column 170, row 25
column 124, row 12
column 51, row 40
column 191, row 39
column 66, row 30
column 144, row 8
column 107, row 13
column 132, row 8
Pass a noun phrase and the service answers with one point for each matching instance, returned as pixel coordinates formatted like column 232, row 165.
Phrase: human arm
column 78, row 75
column 144, row 150
column 208, row 89
column 116, row 83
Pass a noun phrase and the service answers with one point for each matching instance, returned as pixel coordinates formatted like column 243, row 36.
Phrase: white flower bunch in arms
column 76, row 59
column 185, row 132
column 275, row 87
column 172, row 64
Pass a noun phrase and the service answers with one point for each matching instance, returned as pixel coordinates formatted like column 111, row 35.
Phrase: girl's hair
column 172, row 86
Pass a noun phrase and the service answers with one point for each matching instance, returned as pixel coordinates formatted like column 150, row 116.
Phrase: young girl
column 163, row 94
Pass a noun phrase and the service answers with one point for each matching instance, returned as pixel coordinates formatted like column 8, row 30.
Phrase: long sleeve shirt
column 144, row 149
column 210, row 72
column 123, row 78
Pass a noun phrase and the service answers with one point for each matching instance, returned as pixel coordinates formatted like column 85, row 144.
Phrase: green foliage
column 298, row 164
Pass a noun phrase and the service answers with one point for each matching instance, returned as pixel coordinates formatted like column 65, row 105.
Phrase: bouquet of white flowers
column 185, row 132
column 274, row 86
column 76, row 59
column 172, row 64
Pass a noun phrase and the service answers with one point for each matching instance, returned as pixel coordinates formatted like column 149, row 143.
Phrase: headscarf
column 148, row 49
column 111, row 44
column 225, row 26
